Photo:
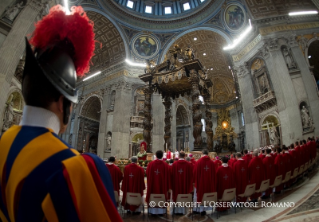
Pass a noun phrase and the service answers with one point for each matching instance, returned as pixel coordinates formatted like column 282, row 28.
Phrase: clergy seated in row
column 116, row 174
column 240, row 169
column 256, row 173
column 270, row 172
column 280, row 168
column 181, row 180
column 262, row 153
column 133, row 182
column 226, row 180
column 142, row 154
column 204, row 180
column 158, row 179
column 287, row 163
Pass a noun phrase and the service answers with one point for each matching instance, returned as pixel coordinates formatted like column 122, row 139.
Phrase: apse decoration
column 145, row 46
column 234, row 17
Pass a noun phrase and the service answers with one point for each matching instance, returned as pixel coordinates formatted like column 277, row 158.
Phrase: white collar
column 286, row 152
column 181, row 159
column 240, row 158
column 36, row 116
column 110, row 163
column 268, row 155
column 224, row 164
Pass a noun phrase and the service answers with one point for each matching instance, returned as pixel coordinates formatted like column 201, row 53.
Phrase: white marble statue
column 288, row 58
column 306, row 119
column 273, row 136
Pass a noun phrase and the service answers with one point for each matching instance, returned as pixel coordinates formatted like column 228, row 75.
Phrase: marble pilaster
column 101, row 146
column 158, row 112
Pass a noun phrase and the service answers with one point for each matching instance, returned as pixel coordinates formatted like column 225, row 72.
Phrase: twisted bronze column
column 147, row 122
column 167, row 129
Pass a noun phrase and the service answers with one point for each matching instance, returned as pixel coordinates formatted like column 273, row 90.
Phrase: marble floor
column 304, row 195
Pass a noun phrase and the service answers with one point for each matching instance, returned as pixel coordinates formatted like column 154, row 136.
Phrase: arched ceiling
column 209, row 50
column 92, row 108
column 313, row 57
column 269, row 8
column 113, row 50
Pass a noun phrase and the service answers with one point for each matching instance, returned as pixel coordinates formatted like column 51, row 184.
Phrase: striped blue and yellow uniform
column 43, row 179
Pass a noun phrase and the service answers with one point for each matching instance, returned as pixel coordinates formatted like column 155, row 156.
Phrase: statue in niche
column 306, row 119
column 108, row 141
column 12, row 12
column 263, row 84
column 288, row 58
column 273, row 135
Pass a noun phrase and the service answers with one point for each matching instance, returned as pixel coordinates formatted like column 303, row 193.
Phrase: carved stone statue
column 288, row 58
column 12, row 12
column 273, row 136
column 108, row 141
column 306, row 119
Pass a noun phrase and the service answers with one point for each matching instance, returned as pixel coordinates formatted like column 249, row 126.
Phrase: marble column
column 309, row 83
column 14, row 46
column 247, row 98
column 101, row 146
column 168, row 116
column 287, row 103
column 121, row 121
column 158, row 112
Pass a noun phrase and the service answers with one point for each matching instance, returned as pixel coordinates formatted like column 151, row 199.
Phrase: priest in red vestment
column 288, row 164
column 298, row 154
column 247, row 157
column 193, row 161
column 116, row 174
column 142, row 154
column 158, row 177
column 240, row 169
column 204, row 178
column 217, row 162
column 270, row 172
column 169, row 154
column 232, row 160
column 133, row 182
column 262, row 153
column 256, row 174
column 225, row 180
column 280, row 168
column 181, row 179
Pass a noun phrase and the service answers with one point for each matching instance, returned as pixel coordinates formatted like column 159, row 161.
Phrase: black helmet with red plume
column 63, row 46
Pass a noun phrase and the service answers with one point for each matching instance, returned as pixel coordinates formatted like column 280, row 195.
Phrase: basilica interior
column 259, row 79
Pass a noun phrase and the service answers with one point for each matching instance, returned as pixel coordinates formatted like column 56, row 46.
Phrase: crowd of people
column 213, row 174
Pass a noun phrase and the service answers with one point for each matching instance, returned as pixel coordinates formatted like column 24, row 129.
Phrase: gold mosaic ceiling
column 208, row 48
column 113, row 50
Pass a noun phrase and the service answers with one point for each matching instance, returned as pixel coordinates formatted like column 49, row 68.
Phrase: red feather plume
column 77, row 28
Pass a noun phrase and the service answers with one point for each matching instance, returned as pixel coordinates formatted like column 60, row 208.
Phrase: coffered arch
column 110, row 47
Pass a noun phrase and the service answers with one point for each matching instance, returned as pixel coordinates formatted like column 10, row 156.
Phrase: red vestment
column 169, row 155
column 270, row 172
column 181, row 178
column 280, row 169
column 204, row 177
column 231, row 162
column 193, row 161
column 303, row 154
column 247, row 158
column 158, row 176
column 314, row 149
column 225, row 178
column 217, row 163
column 298, row 154
column 241, row 177
column 261, row 156
column 256, row 174
column 116, row 176
column 133, row 182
